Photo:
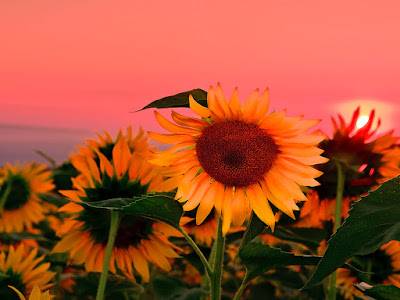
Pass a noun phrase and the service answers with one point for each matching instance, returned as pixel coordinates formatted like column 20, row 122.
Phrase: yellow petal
column 20, row 295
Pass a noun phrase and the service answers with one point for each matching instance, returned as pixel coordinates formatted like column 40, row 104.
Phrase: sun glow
column 362, row 120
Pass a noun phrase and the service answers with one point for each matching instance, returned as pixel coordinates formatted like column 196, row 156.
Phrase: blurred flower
column 19, row 185
column 366, row 163
column 203, row 233
column 237, row 159
column 35, row 295
column 139, row 240
column 23, row 272
column 384, row 265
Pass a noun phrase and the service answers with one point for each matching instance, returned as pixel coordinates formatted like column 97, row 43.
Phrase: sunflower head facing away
column 18, row 187
column 139, row 240
column 239, row 159
column 384, row 268
column 366, row 162
column 23, row 272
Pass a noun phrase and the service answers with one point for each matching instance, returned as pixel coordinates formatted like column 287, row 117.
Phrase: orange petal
column 199, row 109
column 171, row 127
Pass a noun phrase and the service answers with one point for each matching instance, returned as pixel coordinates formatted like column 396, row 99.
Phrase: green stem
column 337, row 221
column 110, row 245
column 3, row 199
column 369, row 270
column 215, row 285
column 240, row 290
column 198, row 251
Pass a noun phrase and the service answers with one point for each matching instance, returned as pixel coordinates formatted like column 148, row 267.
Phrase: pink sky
column 87, row 64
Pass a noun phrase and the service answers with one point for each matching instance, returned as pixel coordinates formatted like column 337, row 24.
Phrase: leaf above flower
column 179, row 100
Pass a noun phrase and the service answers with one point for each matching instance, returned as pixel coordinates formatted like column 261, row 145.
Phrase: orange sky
column 87, row 64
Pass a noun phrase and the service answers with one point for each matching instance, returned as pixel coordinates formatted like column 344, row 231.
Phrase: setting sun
column 362, row 120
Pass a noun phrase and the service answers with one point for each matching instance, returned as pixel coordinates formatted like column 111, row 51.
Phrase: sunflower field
column 242, row 203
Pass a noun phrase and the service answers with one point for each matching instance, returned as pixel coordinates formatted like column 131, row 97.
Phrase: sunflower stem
column 199, row 253
column 110, row 245
column 337, row 221
column 5, row 195
column 215, row 284
column 240, row 290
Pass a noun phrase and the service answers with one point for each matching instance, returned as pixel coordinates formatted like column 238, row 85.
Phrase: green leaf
column 254, row 228
column 117, row 287
column 380, row 292
column 109, row 204
column 171, row 288
column 179, row 100
column 53, row 199
column 259, row 258
column 157, row 207
column 372, row 222
column 19, row 236
column 48, row 158
column 310, row 237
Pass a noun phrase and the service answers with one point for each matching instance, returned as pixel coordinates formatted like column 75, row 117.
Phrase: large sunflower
column 384, row 268
column 126, row 174
column 23, row 272
column 366, row 162
column 239, row 159
column 19, row 185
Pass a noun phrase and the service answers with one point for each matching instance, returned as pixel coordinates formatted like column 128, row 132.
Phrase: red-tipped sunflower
column 23, row 272
column 237, row 159
column 366, row 163
column 19, row 184
column 139, row 240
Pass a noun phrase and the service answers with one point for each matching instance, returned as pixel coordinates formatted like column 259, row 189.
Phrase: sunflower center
column 236, row 153
column 381, row 266
column 18, row 192
column 14, row 279
column 97, row 221
column 132, row 230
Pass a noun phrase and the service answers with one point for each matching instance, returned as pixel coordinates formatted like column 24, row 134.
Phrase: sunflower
column 23, row 272
column 239, row 159
column 384, row 266
column 203, row 233
column 35, row 295
column 139, row 240
column 366, row 162
column 105, row 144
column 19, row 185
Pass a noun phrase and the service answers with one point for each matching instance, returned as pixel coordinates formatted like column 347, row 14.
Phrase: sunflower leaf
column 171, row 288
column 179, row 100
column 53, row 199
column 310, row 237
column 158, row 207
column 117, row 287
column 254, row 228
column 109, row 204
column 259, row 258
column 372, row 222
column 381, row 292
